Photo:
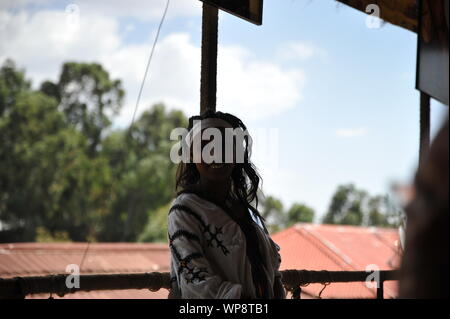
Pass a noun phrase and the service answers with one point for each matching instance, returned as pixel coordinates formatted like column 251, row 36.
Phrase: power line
column 149, row 61
column 139, row 96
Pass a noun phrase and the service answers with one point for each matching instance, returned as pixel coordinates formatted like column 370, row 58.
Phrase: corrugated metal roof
column 339, row 248
column 35, row 259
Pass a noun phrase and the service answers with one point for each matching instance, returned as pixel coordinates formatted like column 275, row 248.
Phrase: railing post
column 380, row 287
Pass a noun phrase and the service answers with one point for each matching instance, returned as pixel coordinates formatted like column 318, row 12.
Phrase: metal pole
column 424, row 126
column 208, row 82
column 380, row 288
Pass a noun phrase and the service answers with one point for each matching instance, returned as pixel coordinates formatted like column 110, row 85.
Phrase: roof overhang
column 402, row 13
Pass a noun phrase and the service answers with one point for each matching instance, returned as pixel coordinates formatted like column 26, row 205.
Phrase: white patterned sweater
column 208, row 252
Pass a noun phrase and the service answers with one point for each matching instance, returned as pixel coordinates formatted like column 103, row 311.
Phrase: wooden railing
column 293, row 280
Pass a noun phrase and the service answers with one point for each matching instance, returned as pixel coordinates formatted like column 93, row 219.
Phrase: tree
column 299, row 213
column 46, row 180
column 384, row 211
column 352, row 206
column 22, row 129
column 156, row 228
column 63, row 176
column 144, row 174
column 273, row 212
column 150, row 133
column 88, row 97
column 376, row 216
column 12, row 83
column 346, row 206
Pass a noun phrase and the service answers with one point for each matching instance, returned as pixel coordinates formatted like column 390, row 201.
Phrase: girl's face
column 215, row 171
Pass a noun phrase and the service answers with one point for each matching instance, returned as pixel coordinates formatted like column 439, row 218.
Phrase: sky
column 328, row 100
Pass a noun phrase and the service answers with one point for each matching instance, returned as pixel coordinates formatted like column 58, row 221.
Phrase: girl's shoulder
column 188, row 201
column 192, row 206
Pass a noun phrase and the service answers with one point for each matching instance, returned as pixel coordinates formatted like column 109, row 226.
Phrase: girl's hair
column 245, row 179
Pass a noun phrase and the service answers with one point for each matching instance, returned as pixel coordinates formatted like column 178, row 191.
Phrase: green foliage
column 156, row 228
column 63, row 176
column 346, row 206
column 277, row 218
column 44, row 236
column 352, row 206
column 12, row 82
column 300, row 213
column 88, row 97
column 46, row 177
column 144, row 174
column 273, row 212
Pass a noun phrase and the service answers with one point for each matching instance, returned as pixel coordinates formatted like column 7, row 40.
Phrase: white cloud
column 174, row 75
column 143, row 10
column 41, row 41
column 351, row 132
column 302, row 51
column 259, row 87
column 18, row 4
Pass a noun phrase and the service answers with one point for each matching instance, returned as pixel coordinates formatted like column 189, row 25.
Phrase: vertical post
column 380, row 288
column 208, row 82
column 424, row 126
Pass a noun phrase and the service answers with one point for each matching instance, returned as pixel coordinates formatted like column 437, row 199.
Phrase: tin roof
column 38, row 259
column 340, row 248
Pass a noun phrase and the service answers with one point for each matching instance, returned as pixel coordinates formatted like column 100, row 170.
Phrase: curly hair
column 245, row 179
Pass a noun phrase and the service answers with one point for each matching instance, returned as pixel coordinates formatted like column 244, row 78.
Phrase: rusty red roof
column 35, row 259
column 339, row 248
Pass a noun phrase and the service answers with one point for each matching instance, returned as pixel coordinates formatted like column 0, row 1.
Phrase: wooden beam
column 424, row 127
column 208, row 82
column 402, row 13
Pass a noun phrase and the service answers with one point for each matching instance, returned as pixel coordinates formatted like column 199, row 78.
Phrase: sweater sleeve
column 195, row 277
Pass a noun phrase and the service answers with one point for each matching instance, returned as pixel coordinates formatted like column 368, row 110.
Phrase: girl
column 220, row 247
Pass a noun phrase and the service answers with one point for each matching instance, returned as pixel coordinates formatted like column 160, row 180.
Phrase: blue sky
column 340, row 95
